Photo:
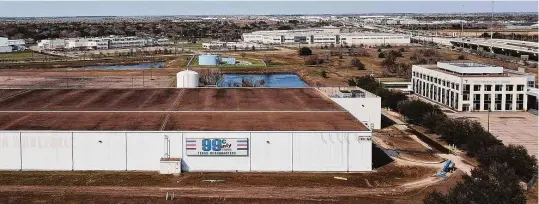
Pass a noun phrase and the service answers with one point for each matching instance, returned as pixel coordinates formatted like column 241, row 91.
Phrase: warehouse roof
column 200, row 109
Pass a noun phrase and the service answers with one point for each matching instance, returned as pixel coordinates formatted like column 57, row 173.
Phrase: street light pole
column 488, row 121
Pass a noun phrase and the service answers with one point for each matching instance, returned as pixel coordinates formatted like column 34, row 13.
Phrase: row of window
column 497, row 97
column 436, row 80
column 324, row 39
column 374, row 38
column 498, row 87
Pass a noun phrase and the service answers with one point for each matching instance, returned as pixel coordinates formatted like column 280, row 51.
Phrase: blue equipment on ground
column 448, row 165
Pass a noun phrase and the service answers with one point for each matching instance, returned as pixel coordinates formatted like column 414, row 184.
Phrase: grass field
column 25, row 55
column 16, row 55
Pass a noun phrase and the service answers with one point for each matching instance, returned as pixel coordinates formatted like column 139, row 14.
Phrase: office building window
column 486, row 106
column 486, row 97
column 498, row 87
column 520, row 87
column 498, row 97
column 465, row 107
column 465, row 97
column 509, row 87
column 457, row 87
column 466, row 88
column 477, row 97
column 476, row 87
column 508, row 106
column 498, row 106
column 488, row 87
column 520, row 97
column 476, row 106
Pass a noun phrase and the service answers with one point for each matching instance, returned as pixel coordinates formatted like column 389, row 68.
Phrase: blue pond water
column 268, row 80
column 131, row 66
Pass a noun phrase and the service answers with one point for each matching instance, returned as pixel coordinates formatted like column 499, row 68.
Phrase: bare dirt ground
column 404, row 146
column 387, row 184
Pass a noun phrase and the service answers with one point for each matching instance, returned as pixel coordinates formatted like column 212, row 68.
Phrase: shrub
column 495, row 184
column 324, row 74
column 305, row 51
column 461, row 57
column 402, row 49
column 381, row 55
column 357, row 64
column 313, row 60
column 516, row 157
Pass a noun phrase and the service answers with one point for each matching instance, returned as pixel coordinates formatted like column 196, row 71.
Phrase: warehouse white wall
column 320, row 152
column 216, row 163
column 46, row 151
column 145, row 149
column 268, row 151
column 99, row 151
column 10, row 151
column 271, row 151
column 360, row 149
column 364, row 109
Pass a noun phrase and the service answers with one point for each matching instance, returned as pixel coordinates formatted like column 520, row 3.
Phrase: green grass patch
column 16, row 55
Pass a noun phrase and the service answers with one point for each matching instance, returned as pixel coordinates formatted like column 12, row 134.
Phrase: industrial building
column 472, row 86
column 214, row 60
column 204, row 129
column 325, row 36
column 108, row 42
column 7, row 45
column 234, row 45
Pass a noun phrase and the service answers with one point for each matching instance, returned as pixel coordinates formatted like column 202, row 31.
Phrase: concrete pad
column 518, row 128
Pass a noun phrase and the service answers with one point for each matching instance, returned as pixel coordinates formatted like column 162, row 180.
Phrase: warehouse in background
column 325, row 36
column 201, row 129
column 7, row 45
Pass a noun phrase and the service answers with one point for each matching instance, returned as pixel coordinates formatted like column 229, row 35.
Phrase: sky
column 148, row 8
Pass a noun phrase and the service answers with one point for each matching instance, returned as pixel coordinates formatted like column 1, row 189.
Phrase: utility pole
column 492, row 20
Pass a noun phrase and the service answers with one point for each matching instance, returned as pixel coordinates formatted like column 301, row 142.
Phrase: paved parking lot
column 519, row 128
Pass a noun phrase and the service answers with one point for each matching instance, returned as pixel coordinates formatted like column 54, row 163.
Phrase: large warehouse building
column 210, row 129
column 472, row 86
column 325, row 36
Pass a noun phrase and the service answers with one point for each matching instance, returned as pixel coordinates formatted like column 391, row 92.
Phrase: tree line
column 501, row 168
column 223, row 30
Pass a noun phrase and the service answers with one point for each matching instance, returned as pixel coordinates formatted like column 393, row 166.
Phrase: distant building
column 7, row 45
column 109, row 42
column 327, row 35
column 472, row 86
column 233, row 45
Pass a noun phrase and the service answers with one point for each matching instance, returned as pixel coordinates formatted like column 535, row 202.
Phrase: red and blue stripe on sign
column 191, row 144
column 242, row 145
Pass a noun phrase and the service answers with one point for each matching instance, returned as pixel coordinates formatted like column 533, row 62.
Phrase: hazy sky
column 138, row 8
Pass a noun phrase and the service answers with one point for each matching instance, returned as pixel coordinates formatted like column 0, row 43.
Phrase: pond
column 129, row 66
column 263, row 80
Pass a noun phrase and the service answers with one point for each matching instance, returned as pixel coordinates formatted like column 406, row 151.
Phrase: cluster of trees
column 512, row 36
column 316, row 60
column 389, row 98
column 357, row 64
column 224, row 30
column 390, row 66
column 501, row 168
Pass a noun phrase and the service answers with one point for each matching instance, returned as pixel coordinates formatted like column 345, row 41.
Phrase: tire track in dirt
column 232, row 192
